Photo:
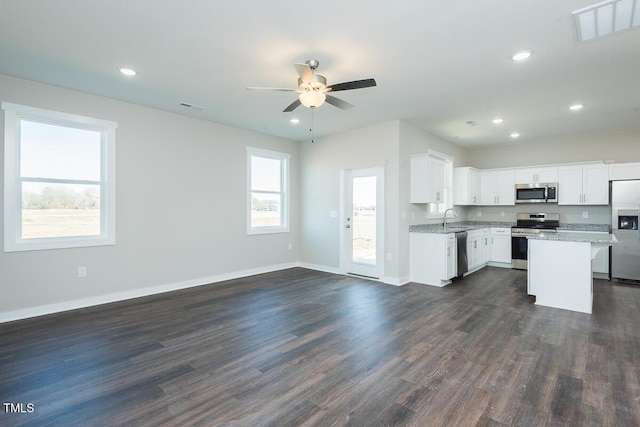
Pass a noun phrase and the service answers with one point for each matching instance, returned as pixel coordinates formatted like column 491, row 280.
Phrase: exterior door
column 363, row 221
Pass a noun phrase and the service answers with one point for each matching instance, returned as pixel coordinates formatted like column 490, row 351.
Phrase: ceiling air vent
column 193, row 106
column 606, row 18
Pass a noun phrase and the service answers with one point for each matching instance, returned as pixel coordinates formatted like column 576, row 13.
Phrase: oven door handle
column 546, row 193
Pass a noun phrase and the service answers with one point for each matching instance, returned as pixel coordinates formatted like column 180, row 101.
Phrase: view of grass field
column 39, row 223
column 265, row 218
column 364, row 236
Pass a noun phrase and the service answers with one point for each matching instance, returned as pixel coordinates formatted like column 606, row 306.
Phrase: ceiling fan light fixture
column 312, row 98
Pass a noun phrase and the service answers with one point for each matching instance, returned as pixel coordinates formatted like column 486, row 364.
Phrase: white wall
column 621, row 147
column 321, row 163
column 417, row 141
column 389, row 144
column 181, row 210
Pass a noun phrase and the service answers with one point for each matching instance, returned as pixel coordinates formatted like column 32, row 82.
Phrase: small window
column 268, row 197
column 436, row 210
column 59, row 180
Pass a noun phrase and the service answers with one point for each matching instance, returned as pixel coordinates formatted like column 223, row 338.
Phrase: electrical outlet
column 290, row 246
column 502, row 214
column 82, row 271
column 479, row 214
column 389, row 257
column 585, row 214
column 404, row 215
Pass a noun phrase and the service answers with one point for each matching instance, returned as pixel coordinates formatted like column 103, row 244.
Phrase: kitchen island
column 559, row 272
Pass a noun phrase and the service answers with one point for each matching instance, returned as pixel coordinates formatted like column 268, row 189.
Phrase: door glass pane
column 364, row 220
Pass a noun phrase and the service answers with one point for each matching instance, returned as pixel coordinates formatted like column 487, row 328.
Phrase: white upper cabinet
column 624, row 171
column 538, row 174
column 497, row 188
column 586, row 184
column 466, row 186
column 427, row 179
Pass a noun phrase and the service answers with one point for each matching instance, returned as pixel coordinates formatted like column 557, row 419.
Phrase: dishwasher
column 461, row 247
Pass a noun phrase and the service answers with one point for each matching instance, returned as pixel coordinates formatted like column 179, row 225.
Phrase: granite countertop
column 585, row 227
column 576, row 236
column 452, row 227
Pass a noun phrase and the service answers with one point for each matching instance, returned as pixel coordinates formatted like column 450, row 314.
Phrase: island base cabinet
column 559, row 274
column 432, row 258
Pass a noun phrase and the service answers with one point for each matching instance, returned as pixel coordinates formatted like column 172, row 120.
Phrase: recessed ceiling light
column 514, row 135
column 295, row 121
column 128, row 71
column 497, row 120
column 522, row 55
column 576, row 107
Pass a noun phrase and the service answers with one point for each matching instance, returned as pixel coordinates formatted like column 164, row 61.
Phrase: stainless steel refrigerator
column 625, row 204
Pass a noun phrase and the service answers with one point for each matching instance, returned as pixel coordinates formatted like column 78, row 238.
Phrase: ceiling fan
column 313, row 88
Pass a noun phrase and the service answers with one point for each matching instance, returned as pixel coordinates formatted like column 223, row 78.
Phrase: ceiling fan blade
column 305, row 72
column 356, row 84
column 280, row 89
column 337, row 102
column 295, row 104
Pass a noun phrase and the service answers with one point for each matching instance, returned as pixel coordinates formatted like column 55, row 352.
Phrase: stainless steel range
column 526, row 225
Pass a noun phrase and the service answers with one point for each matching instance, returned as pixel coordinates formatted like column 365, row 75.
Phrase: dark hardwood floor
column 300, row 347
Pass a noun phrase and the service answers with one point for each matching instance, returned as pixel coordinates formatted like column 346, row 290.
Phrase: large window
column 59, row 180
column 268, row 197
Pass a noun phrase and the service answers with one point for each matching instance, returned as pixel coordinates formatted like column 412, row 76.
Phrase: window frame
column 13, row 241
column 284, row 210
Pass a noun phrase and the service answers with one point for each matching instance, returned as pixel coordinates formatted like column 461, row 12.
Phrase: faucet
column 455, row 214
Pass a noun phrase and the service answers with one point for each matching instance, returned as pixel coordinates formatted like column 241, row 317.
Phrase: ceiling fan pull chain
column 311, row 128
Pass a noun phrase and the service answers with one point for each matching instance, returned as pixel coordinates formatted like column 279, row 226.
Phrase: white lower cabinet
column 501, row 246
column 478, row 248
column 433, row 258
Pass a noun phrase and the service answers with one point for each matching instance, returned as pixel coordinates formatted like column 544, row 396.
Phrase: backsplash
column 568, row 214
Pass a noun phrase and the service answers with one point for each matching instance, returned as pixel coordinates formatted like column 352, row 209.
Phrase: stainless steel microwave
column 537, row 193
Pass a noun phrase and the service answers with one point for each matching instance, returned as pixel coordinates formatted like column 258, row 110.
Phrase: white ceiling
column 437, row 64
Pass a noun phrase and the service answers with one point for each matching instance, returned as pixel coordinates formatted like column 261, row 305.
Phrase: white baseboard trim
column 318, row 267
column 395, row 281
column 42, row 310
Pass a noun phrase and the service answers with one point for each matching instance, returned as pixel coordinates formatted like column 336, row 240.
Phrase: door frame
column 345, row 212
